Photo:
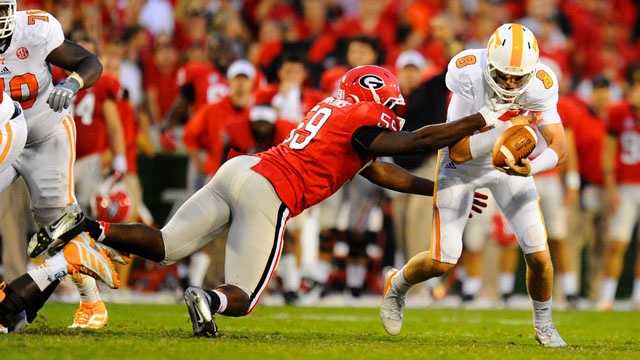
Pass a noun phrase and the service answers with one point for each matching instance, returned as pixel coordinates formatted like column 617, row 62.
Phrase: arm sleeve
column 52, row 33
column 459, row 107
column 458, row 81
column 194, row 128
column 364, row 136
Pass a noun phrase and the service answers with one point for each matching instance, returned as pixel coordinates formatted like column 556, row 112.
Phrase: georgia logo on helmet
column 112, row 202
column 370, row 83
column 511, row 50
column 7, row 18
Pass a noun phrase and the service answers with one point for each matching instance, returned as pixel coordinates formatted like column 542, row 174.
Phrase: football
column 517, row 142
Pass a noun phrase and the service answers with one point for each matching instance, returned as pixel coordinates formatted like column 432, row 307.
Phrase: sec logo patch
column 22, row 53
column 371, row 81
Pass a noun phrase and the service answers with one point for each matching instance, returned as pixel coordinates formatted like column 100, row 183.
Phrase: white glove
column 119, row 164
column 492, row 117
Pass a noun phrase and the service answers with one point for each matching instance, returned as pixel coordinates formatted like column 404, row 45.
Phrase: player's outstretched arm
column 393, row 177
column 428, row 138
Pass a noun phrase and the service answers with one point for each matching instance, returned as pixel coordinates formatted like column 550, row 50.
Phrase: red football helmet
column 111, row 202
column 371, row 83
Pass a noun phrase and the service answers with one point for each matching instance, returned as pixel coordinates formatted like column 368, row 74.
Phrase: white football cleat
column 392, row 307
column 548, row 336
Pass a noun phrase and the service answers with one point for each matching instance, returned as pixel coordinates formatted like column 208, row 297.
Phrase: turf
column 160, row 331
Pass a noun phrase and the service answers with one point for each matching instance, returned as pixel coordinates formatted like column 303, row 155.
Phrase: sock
column 87, row 287
column 54, row 268
column 506, row 281
column 356, row 275
column 471, row 286
column 289, row 273
column 399, row 284
column 462, row 274
column 541, row 313
column 569, row 283
column 198, row 267
column 608, row 289
column 635, row 297
column 218, row 301
column 321, row 271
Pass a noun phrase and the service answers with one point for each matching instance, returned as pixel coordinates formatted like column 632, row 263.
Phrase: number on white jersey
column 305, row 132
column 23, row 89
column 630, row 148
column 85, row 108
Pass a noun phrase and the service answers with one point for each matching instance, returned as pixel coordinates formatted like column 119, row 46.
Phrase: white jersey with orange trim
column 465, row 79
column 24, row 72
column 515, row 196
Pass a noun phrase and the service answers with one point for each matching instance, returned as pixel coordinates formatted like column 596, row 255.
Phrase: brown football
column 517, row 142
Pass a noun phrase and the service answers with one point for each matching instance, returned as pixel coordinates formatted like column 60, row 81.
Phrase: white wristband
column 482, row 143
column 548, row 159
column 119, row 164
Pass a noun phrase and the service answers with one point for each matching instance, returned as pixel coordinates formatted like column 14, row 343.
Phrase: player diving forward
column 507, row 73
column 29, row 42
column 254, row 196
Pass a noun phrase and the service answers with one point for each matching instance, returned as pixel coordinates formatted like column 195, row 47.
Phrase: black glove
column 62, row 94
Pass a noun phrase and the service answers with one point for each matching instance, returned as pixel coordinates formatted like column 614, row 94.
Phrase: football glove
column 62, row 94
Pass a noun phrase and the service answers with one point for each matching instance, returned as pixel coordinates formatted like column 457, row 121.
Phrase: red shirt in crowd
column 207, row 83
column 319, row 156
column 89, row 116
column 589, row 133
column 205, row 130
column 624, row 124
column 130, row 132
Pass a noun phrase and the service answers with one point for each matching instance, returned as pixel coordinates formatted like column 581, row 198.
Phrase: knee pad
column 534, row 239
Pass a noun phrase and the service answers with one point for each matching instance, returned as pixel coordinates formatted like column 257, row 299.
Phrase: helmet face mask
column 7, row 18
column 512, row 57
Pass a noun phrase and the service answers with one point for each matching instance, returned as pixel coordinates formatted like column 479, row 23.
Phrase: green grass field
column 159, row 331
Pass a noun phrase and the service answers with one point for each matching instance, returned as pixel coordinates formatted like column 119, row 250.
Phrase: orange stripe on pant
column 69, row 127
column 7, row 146
column 435, row 236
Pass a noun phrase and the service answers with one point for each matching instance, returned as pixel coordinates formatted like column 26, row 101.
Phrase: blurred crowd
column 205, row 79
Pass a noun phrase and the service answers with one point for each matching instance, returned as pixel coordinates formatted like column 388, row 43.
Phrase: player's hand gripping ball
column 514, row 146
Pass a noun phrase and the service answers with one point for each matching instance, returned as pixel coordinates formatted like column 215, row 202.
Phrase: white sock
column 198, row 266
column 506, row 281
column 399, row 284
column 569, row 283
column 87, row 287
column 356, row 275
column 223, row 301
column 608, row 289
column 54, row 268
column 635, row 297
column 471, row 286
column 289, row 273
column 541, row 312
column 462, row 274
column 321, row 271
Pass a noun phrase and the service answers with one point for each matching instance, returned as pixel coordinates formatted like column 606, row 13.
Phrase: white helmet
column 511, row 50
column 7, row 18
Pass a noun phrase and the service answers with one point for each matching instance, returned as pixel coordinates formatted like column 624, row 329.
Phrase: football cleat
column 199, row 306
column 392, row 307
column 548, row 336
column 85, row 257
column 90, row 315
column 11, row 319
column 53, row 237
column 115, row 255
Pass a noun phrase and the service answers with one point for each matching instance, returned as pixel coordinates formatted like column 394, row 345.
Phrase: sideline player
column 29, row 42
column 507, row 73
column 339, row 138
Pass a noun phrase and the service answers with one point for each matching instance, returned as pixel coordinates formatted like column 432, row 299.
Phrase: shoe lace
column 81, row 315
column 396, row 311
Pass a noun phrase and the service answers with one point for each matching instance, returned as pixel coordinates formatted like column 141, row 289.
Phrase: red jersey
column 625, row 126
column 318, row 157
column 589, row 133
column 89, row 117
column 208, row 85
column 130, row 133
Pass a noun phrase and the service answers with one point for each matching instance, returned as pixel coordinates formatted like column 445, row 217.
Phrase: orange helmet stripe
column 498, row 41
column 517, row 49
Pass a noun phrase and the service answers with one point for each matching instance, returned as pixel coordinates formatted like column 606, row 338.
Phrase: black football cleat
column 53, row 237
column 199, row 305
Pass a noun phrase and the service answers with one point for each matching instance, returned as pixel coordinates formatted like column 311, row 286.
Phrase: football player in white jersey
column 29, row 42
column 506, row 75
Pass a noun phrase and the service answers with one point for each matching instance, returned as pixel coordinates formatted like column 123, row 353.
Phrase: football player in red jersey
column 339, row 139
